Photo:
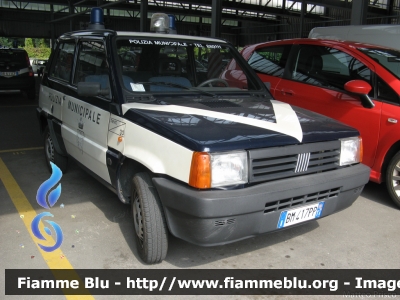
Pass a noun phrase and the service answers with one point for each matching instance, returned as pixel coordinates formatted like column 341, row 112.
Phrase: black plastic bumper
column 218, row 217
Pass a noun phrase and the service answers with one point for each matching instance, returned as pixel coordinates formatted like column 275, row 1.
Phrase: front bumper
column 216, row 217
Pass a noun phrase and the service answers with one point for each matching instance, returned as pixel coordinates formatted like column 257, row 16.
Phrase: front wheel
column 51, row 155
column 149, row 221
column 393, row 178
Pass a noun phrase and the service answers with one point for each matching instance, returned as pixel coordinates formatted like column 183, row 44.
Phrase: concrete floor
column 98, row 229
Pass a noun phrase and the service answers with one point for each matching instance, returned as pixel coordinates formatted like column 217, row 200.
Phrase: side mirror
column 91, row 89
column 360, row 88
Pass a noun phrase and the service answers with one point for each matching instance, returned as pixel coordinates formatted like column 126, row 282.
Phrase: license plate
column 301, row 214
column 9, row 73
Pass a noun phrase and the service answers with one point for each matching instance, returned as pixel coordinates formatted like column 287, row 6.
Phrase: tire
column 393, row 178
column 51, row 155
column 149, row 221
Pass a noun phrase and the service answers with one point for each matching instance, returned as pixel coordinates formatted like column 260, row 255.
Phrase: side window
column 328, row 67
column 270, row 60
column 91, row 64
column 386, row 93
column 64, row 61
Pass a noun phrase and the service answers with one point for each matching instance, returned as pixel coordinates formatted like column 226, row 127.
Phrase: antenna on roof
column 96, row 18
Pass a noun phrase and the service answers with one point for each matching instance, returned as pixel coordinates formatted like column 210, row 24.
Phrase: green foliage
column 29, row 43
column 42, row 44
column 9, row 42
column 37, row 48
column 5, row 42
column 41, row 53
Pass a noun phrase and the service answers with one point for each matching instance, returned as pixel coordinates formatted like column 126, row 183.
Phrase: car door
column 315, row 78
column 390, row 121
column 86, row 119
column 58, row 85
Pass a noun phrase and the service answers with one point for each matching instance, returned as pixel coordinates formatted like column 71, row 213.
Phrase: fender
column 114, row 162
column 55, row 133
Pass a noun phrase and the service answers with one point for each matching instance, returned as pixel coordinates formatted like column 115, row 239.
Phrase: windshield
column 387, row 58
column 168, row 65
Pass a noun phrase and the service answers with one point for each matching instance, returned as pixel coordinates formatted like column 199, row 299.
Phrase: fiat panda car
column 16, row 71
column 208, row 156
column 357, row 84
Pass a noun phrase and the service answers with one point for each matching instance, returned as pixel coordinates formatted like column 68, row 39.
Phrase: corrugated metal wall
column 19, row 23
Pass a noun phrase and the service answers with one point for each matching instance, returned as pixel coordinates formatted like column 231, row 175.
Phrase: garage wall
column 35, row 24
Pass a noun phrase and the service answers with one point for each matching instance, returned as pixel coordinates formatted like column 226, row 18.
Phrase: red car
column 357, row 84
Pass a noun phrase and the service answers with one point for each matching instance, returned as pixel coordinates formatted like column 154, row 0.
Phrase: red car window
column 328, row 67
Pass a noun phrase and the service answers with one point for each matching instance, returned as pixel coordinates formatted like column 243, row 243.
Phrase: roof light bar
column 159, row 23
column 172, row 28
column 96, row 18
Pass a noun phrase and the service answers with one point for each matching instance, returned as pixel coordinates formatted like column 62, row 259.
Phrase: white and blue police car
column 204, row 153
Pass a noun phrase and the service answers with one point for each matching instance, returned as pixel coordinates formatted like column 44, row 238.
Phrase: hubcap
column 396, row 179
column 137, row 218
column 49, row 148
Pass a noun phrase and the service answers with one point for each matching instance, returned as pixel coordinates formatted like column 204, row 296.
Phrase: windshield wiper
column 177, row 85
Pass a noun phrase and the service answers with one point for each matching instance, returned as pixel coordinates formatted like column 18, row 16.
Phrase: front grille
column 288, row 161
column 303, row 160
column 300, row 200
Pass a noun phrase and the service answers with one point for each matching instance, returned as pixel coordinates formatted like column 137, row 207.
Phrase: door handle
column 391, row 120
column 287, row 92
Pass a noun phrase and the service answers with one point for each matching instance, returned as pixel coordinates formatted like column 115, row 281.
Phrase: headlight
column 218, row 169
column 351, row 151
column 228, row 168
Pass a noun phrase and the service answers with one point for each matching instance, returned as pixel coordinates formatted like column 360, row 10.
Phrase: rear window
column 14, row 58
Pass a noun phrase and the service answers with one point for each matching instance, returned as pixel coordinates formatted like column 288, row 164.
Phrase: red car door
column 390, row 120
column 315, row 81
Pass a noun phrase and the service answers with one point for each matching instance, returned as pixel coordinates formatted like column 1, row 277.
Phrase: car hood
column 227, row 124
